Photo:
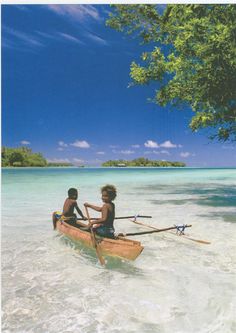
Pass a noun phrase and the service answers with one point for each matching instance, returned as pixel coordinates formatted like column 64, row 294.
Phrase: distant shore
column 109, row 168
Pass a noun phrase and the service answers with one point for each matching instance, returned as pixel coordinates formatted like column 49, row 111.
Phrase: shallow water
column 50, row 284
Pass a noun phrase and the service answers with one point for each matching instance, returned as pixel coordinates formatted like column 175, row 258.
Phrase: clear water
column 176, row 285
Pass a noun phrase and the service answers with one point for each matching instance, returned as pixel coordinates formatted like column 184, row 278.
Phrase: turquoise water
column 176, row 285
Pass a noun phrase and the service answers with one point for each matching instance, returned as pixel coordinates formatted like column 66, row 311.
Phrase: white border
column 106, row 2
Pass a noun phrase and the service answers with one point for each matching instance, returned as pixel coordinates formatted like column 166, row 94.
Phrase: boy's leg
column 72, row 220
column 55, row 218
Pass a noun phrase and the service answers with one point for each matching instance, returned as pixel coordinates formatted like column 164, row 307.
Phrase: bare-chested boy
column 104, row 225
column 70, row 205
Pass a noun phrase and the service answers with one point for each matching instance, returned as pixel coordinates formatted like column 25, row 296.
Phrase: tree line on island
column 142, row 162
column 24, row 157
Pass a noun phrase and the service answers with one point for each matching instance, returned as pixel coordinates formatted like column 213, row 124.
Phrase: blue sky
column 65, row 78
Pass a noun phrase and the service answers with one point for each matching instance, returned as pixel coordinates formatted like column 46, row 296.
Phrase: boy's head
column 108, row 193
column 73, row 193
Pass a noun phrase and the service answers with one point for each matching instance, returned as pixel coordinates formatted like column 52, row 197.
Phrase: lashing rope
column 135, row 217
column 180, row 228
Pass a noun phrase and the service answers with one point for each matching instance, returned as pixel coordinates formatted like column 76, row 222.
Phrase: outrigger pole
column 121, row 217
column 179, row 228
column 182, row 234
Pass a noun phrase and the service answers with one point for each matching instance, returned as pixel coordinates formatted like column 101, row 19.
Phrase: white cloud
column 96, row 38
column 149, row 152
column 70, row 38
column 24, row 142
column 180, row 146
column 78, row 160
column 94, row 162
column 20, row 7
column 127, row 152
column 62, row 144
column 80, row 144
column 59, row 36
column 135, row 146
column 45, row 35
column 23, row 37
column 165, row 152
column 58, row 160
column 100, row 153
column 151, row 144
column 185, row 154
column 124, row 152
column 75, row 12
column 168, row 144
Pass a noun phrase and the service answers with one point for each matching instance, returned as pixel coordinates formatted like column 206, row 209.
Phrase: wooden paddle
column 121, row 217
column 183, row 235
column 153, row 231
column 94, row 241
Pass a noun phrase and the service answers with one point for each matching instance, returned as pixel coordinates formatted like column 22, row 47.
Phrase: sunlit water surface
column 176, row 285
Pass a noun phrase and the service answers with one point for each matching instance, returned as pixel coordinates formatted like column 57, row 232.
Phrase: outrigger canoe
column 121, row 247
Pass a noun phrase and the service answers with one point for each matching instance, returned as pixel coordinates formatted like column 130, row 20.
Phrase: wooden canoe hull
column 122, row 248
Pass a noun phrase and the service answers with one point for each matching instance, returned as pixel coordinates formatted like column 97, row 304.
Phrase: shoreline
column 117, row 168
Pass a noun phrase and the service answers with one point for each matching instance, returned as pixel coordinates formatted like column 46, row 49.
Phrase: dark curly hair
column 72, row 192
column 111, row 191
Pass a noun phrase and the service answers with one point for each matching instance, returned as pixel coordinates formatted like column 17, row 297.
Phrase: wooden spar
column 130, row 217
column 119, row 217
column 154, row 231
column 183, row 235
column 93, row 239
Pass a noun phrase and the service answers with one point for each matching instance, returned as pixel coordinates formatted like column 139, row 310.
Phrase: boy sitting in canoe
column 69, row 205
column 104, row 225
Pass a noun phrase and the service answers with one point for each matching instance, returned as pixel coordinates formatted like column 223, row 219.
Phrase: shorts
column 104, row 231
column 72, row 221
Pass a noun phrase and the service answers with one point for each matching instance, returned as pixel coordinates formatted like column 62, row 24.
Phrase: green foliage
column 142, row 162
column 16, row 157
column 22, row 157
column 193, row 59
column 59, row 164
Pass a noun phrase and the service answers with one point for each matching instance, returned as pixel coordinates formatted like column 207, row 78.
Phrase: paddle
column 185, row 236
column 153, row 231
column 94, row 242
column 121, row 217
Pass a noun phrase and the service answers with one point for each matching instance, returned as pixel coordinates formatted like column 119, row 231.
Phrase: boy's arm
column 104, row 210
column 98, row 209
column 80, row 212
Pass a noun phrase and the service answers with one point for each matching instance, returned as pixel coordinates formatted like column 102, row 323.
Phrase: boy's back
column 69, row 206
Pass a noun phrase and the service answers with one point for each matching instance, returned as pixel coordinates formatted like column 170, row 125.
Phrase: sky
column 66, row 94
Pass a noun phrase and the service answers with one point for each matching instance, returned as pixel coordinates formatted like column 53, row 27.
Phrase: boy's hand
column 90, row 225
column 86, row 204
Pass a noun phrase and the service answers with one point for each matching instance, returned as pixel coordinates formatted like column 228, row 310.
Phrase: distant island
column 142, row 162
column 24, row 157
